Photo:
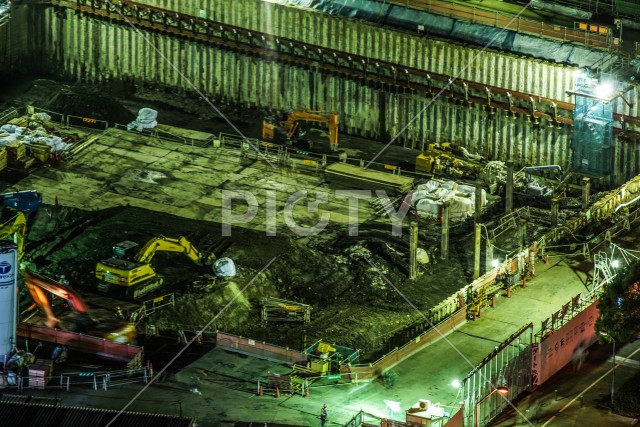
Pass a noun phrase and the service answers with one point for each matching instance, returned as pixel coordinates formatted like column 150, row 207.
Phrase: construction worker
column 119, row 314
column 323, row 415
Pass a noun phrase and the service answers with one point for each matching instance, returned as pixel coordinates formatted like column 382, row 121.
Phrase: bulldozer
column 135, row 275
column 288, row 131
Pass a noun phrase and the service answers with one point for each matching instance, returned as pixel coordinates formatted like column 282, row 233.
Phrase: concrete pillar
column 586, row 189
column 476, row 252
column 508, row 198
column 489, row 255
column 413, row 249
column 554, row 211
column 444, row 244
column 478, row 202
column 523, row 232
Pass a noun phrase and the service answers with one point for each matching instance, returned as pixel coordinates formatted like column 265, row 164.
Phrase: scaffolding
column 593, row 125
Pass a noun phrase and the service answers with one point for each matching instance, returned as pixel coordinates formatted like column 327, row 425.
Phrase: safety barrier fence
column 509, row 364
column 371, row 371
column 356, row 421
column 598, row 39
column 130, row 354
column 97, row 380
column 260, row 349
column 297, row 159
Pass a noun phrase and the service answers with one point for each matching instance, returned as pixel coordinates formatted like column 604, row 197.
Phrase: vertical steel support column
column 508, row 206
column 554, row 211
column 477, row 250
column 586, row 190
column 444, row 248
column 413, row 250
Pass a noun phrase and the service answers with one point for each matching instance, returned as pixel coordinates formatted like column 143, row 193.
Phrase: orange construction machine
column 112, row 329
column 288, row 131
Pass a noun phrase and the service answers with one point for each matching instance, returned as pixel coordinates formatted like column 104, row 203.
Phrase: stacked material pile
column 39, row 373
column 343, row 175
column 28, row 142
column 428, row 199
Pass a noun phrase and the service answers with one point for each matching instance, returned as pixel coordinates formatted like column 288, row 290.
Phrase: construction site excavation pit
column 129, row 186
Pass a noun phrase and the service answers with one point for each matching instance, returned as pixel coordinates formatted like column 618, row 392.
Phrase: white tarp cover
column 428, row 199
column 224, row 267
column 31, row 135
column 146, row 120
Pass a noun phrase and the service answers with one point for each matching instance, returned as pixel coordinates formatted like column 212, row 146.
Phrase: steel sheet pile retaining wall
column 14, row 36
column 96, row 50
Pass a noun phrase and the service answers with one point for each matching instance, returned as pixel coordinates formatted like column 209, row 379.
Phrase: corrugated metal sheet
column 13, row 43
column 38, row 415
column 94, row 50
column 496, row 68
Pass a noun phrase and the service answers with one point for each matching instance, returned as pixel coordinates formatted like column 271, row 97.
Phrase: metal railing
column 98, row 380
column 512, row 22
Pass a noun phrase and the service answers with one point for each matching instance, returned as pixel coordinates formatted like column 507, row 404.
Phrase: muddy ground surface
column 357, row 286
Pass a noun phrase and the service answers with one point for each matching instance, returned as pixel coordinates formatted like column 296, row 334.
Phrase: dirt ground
column 353, row 304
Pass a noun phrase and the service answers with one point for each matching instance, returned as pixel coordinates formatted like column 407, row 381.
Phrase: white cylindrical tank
column 8, row 299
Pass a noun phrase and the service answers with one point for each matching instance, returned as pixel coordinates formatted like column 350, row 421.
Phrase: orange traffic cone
column 277, row 391
column 260, row 390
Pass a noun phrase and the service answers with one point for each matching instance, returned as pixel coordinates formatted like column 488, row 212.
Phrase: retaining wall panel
column 246, row 80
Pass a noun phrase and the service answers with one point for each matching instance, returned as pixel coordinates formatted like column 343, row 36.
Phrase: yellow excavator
column 288, row 132
column 136, row 276
column 451, row 160
column 16, row 228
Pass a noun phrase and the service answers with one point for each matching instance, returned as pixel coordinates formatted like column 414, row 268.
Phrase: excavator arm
column 16, row 226
column 38, row 284
column 291, row 125
column 167, row 244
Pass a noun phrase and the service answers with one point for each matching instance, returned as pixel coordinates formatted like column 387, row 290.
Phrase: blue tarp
column 406, row 18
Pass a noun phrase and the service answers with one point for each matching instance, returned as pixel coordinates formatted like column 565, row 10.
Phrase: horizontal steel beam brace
column 369, row 71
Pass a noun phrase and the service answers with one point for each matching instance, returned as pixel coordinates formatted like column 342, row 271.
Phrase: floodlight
column 604, row 90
